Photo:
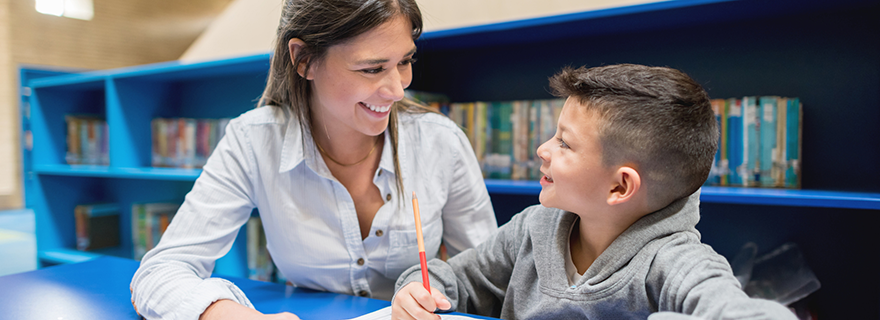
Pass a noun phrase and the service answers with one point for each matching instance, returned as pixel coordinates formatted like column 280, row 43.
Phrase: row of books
column 760, row 142
column 185, row 142
column 97, row 225
column 148, row 223
column 259, row 261
column 87, row 140
column 505, row 135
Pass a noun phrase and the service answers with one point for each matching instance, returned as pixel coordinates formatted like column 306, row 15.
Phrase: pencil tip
column 414, row 195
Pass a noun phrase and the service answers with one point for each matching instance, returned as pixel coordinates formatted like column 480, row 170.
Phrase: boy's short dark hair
column 656, row 119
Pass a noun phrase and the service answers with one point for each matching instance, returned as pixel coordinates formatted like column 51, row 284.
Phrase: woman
column 330, row 160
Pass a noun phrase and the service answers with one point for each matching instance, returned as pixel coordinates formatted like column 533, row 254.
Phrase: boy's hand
column 414, row 302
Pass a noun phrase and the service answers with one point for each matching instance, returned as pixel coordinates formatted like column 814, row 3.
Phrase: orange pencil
column 422, row 259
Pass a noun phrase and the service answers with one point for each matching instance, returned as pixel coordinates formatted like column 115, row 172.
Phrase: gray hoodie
column 656, row 265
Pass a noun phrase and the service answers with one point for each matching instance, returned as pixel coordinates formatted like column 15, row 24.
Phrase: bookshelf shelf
column 734, row 195
column 177, row 174
column 62, row 256
column 814, row 49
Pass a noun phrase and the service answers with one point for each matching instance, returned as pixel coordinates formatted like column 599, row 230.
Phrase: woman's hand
column 228, row 309
column 414, row 302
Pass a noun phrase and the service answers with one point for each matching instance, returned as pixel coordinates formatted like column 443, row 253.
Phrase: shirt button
column 380, row 173
column 388, row 197
column 361, row 261
column 379, row 233
column 362, row 293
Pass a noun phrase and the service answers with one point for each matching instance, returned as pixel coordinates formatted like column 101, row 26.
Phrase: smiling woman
column 328, row 159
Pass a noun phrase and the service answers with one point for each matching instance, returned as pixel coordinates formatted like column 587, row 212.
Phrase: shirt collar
column 298, row 147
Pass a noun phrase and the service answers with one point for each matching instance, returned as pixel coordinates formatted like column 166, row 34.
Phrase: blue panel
column 50, row 105
column 136, row 104
column 234, row 263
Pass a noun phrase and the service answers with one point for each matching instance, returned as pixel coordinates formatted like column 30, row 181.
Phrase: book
column 87, row 140
column 793, row 132
column 148, row 222
column 260, row 265
column 715, row 173
column 778, row 169
column 767, row 145
column 735, row 154
column 97, row 226
column 749, row 169
column 185, row 142
column 500, row 160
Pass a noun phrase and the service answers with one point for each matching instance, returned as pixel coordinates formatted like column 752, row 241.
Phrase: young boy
column 614, row 236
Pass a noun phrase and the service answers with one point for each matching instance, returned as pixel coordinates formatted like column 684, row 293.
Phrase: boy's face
column 574, row 177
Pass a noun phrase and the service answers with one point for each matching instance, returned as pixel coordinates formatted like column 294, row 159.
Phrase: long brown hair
column 322, row 24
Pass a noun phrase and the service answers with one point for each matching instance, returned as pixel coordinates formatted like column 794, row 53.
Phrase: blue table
column 98, row 289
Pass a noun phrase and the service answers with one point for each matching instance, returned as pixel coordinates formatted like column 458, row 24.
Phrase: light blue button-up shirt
column 266, row 161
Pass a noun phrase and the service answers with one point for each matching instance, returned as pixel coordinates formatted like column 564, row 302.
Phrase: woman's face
column 356, row 83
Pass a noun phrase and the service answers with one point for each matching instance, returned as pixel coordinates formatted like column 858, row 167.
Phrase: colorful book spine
column 715, row 172
column 73, row 141
column 735, row 143
column 96, row 225
column 502, row 142
column 751, row 142
column 534, row 164
column 778, row 170
column 767, row 146
column 794, row 118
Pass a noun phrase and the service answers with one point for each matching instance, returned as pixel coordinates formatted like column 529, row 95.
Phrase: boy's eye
column 562, row 143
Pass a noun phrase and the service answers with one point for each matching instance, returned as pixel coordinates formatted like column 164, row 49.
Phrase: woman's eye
column 373, row 70
column 409, row 61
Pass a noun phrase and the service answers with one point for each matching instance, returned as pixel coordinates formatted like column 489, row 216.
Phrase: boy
column 614, row 236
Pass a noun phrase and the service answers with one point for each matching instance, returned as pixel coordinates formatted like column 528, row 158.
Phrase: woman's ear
column 295, row 45
column 627, row 185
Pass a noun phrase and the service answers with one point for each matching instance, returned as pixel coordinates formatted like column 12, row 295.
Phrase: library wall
column 122, row 33
column 248, row 26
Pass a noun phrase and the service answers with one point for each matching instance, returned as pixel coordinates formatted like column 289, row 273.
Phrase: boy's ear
column 627, row 183
column 295, row 45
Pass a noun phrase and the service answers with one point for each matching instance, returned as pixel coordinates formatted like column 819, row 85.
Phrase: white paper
column 385, row 313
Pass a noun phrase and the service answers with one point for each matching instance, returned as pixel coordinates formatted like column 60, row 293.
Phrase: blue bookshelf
column 813, row 49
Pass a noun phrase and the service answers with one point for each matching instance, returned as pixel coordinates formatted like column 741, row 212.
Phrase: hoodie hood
column 621, row 259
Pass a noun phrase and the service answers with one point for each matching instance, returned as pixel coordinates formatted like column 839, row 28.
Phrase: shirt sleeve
column 476, row 280
column 173, row 280
column 468, row 216
column 697, row 283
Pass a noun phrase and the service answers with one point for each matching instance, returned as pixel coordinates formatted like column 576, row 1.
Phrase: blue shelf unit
column 818, row 50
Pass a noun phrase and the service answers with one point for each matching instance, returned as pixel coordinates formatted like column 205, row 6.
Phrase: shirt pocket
column 403, row 250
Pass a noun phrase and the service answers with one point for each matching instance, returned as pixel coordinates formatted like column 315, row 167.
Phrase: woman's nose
column 394, row 84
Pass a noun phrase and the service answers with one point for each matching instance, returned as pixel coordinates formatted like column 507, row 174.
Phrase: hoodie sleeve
column 695, row 282
column 475, row 281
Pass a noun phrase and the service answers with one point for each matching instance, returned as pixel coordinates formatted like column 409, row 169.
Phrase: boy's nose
column 542, row 152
